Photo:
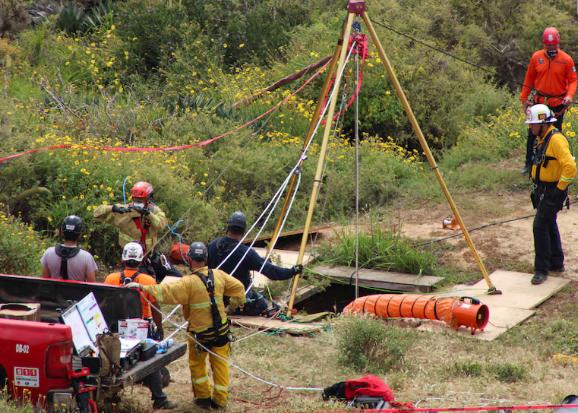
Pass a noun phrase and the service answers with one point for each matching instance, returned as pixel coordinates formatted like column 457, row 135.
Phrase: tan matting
column 517, row 302
column 263, row 323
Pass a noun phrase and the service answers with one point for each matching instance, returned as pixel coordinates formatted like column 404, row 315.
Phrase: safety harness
column 144, row 229
column 542, row 160
column 540, row 157
column 218, row 335
column 124, row 280
column 65, row 253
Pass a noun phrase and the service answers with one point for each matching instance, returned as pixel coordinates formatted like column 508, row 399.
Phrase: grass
column 378, row 249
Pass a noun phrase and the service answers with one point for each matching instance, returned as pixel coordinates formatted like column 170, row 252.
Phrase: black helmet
column 237, row 222
column 198, row 252
column 72, row 227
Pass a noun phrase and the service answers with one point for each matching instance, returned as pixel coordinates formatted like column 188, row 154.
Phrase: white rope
column 286, row 182
column 241, row 369
column 270, row 251
column 283, row 186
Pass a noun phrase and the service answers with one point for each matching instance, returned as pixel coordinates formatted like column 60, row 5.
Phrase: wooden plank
column 262, row 323
column 381, row 279
column 306, row 292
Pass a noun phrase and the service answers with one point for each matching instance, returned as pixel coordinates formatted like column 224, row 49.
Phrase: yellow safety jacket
column 128, row 229
column 191, row 293
column 558, row 164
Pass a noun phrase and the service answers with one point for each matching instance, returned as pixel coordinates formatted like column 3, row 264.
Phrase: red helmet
column 141, row 189
column 551, row 37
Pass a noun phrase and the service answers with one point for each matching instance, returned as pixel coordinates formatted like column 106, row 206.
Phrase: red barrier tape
column 475, row 409
column 168, row 148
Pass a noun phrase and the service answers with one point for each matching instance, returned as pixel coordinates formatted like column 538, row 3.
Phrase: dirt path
column 508, row 246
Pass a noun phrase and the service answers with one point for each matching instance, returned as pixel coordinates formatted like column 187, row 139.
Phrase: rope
column 356, row 133
column 167, row 148
column 226, row 360
column 442, row 51
column 477, row 408
column 472, row 230
column 274, row 241
column 302, row 158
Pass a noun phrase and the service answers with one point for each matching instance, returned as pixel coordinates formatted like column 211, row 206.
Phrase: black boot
column 204, row 403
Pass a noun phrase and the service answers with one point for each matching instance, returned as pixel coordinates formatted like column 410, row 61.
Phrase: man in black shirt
column 243, row 260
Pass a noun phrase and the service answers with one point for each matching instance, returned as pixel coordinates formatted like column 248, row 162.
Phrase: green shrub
column 508, row 372
column 20, row 247
column 379, row 249
column 369, row 345
column 467, row 369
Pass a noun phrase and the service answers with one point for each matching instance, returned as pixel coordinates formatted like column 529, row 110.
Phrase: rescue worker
column 132, row 256
column 246, row 259
column 67, row 261
column 140, row 220
column 553, row 170
column 551, row 74
column 201, row 296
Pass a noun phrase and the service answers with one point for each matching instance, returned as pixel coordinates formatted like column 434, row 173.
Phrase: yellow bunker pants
column 200, row 372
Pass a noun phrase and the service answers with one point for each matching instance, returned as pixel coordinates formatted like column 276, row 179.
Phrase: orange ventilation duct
column 454, row 311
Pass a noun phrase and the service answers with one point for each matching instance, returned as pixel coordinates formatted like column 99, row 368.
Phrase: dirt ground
column 507, row 246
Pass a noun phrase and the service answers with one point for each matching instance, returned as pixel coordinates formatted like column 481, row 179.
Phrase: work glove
column 141, row 210
column 133, row 285
column 120, row 209
column 297, row 269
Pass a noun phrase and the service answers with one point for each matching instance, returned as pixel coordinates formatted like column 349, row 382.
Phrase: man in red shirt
column 551, row 75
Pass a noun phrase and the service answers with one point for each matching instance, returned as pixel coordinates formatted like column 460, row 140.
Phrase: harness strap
column 209, row 282
column 124, row 280
column 143, row 232
column 65, row 253
column 540, row 158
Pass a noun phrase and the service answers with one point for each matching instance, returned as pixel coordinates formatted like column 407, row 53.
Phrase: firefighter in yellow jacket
column 201, row 296
column 140, row 221
column 553, row 170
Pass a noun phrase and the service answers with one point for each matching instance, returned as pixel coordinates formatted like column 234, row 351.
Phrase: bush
column 369, row 345
column 20, row 247
column 379, row 249
column 467, row 368
column 13, row 16
column 508, row 372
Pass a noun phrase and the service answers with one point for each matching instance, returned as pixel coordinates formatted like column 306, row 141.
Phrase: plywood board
column 273, row 324
column 517, row 291
column 381, row 279
column 517, row 302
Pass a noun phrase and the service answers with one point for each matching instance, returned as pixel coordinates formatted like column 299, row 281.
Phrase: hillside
column 92, row 89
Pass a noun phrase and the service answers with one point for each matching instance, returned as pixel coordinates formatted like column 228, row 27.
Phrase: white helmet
column 132, row 252
column 539, row 114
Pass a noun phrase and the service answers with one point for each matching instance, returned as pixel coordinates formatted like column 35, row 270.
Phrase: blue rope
column 179, row 236
column 124, row 190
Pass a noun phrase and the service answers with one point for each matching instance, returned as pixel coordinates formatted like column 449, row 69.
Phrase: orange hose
column 454, row 311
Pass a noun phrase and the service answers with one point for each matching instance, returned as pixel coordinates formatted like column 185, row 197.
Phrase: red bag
column 369, row 385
